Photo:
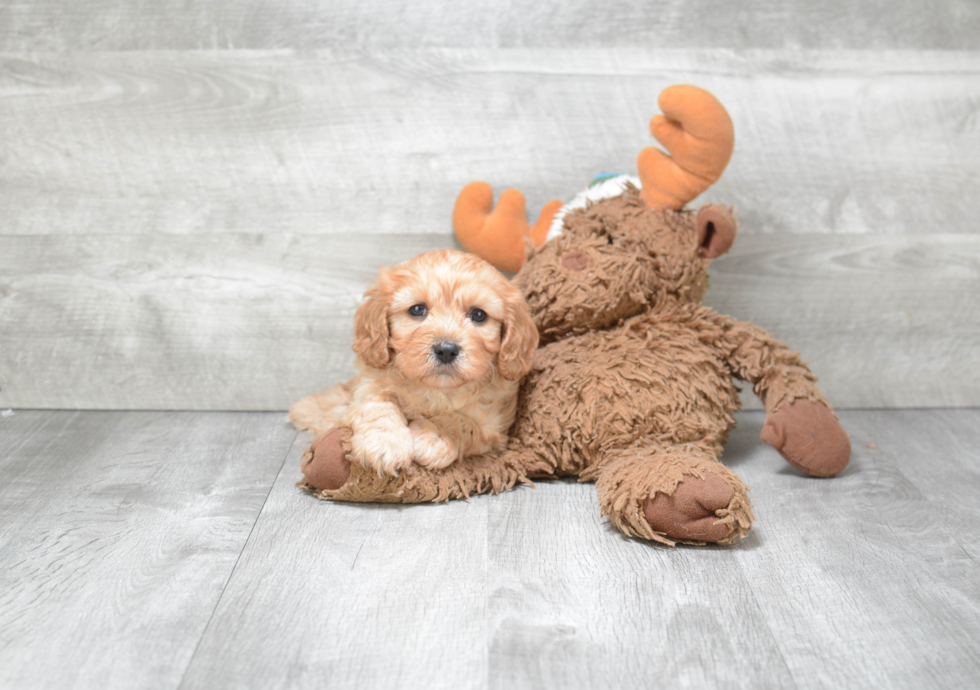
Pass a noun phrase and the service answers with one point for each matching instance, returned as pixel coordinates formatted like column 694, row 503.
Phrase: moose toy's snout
column 575, row 261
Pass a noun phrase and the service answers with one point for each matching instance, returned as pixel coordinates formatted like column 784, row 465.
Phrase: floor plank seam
column 956, row 540
column 231, row 573
column 765, row 621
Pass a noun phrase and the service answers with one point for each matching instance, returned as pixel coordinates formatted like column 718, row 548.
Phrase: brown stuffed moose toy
column 632, row 384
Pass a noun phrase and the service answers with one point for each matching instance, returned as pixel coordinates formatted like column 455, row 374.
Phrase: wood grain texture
column 883, row 321
column 851, row 582
column 573, row 603
column 938, row 458
column 118, row 533
column 241, row 321
column 857, row 581
column 341, row 142
column 351, row 595
column 306, row 24
column 862, row 577
column 180, row 322
column 193, row 197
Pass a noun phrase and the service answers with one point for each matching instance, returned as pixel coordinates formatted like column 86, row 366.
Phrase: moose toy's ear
column 716, row 227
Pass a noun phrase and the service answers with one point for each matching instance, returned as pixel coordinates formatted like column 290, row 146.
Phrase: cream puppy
column 442, row 341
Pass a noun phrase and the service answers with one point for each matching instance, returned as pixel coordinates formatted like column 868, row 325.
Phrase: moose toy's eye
column 417, row 310
column 478, row 315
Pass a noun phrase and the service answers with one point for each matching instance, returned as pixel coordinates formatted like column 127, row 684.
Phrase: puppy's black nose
column 446, row 351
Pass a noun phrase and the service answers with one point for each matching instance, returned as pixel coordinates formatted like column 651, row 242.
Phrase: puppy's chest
column 482, row 409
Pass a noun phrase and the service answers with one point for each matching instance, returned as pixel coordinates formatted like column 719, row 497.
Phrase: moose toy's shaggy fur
column 631, row 386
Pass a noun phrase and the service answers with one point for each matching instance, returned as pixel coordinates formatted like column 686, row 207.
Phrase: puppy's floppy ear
column 371, row 324
column 520, row 337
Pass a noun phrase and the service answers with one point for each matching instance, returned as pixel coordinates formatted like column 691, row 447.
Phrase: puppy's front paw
column 385, row 448
column 429, row 448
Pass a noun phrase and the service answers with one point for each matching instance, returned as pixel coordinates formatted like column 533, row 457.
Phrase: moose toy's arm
column 799, row 420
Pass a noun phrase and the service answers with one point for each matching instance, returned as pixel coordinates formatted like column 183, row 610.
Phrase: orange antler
column 698, row 132
column 498, row 235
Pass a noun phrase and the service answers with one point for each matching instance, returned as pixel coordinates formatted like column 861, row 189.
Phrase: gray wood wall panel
column 315, row 24
column 340, row 142
column 883, row 321
column 249, row 321
column 118, row 533
column 233, row 321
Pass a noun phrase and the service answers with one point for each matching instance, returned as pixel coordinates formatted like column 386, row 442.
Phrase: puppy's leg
column 449, row 437
column 429, row 447
column 324, row 411
column 331, row 475
column 380, row 438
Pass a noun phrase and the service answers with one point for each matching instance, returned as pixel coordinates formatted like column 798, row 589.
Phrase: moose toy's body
column 632, row 385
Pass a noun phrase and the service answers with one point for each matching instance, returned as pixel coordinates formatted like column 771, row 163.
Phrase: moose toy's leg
column 330, row 474
column 673, row 493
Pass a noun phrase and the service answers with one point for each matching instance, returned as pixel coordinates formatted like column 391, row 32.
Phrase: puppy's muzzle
column 446, row 351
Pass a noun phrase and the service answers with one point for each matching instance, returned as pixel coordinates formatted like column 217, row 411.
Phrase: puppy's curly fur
column 442, row 342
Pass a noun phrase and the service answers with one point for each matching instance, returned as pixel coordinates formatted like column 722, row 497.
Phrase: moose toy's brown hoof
column 326, row 464
column 809, row 437
column 689, row 514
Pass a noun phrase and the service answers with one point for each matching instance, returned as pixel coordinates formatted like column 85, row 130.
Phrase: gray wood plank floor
column 172, row 550
column 118, row 532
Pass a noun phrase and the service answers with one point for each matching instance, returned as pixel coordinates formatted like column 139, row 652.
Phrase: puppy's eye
column 478, row 315
column 418, row 310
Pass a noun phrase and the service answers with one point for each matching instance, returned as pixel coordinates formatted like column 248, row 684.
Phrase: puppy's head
column 443, row 319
